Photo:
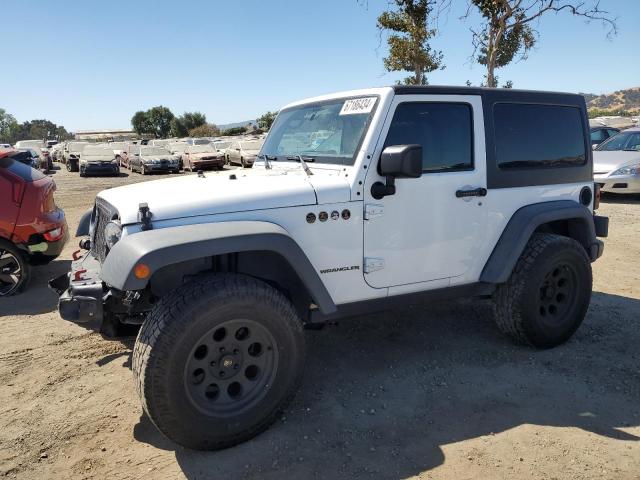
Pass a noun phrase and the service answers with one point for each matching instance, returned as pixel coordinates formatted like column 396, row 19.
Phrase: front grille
column 103, row 214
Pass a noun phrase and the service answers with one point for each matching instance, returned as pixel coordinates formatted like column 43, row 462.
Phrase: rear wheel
column 547, row 296
column 68, row 165
column 218, row 360
column 14, row 270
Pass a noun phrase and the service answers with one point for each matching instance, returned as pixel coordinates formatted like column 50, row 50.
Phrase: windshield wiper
column 267, row 160
column 303, row 162
column 299, row 158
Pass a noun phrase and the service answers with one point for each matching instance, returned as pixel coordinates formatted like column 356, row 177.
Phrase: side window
column 538, row 136
column 598, row 136
column 612, row 132
column 445, row 131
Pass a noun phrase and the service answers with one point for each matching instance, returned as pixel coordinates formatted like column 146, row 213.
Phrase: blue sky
column 90, row 64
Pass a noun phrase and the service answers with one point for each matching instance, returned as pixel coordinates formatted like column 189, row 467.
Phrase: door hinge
column 373, row 264
column 373, row 210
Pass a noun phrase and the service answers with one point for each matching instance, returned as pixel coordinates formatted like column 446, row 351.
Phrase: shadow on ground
column 37, row 298
column 629, row 199
column 382, row 394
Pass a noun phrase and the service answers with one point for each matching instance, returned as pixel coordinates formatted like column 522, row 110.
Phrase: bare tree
column 507, row 30
column 409, row 48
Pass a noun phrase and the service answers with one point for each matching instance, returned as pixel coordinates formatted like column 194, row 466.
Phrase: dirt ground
column 430, row 392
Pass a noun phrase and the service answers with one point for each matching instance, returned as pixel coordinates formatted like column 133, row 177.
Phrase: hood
column 98, row 158
column 605, row 162
column 191, row 195
column 150, row 158
column 206, row 155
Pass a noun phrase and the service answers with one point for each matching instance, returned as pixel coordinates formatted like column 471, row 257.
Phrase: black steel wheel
column 218, row 359
column 14, row 270
column 557, row 292
column 547, row 296
column 231, row 368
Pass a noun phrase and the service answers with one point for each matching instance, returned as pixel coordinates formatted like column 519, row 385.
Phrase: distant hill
column 628, row 100
column 237, row 124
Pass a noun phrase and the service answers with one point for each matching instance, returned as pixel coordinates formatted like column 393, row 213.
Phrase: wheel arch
column 251, row 247
column 562, row 217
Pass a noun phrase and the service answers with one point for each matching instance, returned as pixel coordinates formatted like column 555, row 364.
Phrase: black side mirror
column 397, row 161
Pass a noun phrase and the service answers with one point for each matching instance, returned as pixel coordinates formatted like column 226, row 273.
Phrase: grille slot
column 104, row 213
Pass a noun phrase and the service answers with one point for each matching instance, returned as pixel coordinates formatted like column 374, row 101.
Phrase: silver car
column 616, row 163
column 97, row 159
column 244, row 152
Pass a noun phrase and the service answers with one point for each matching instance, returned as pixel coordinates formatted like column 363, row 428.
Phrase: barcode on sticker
column 358, row 105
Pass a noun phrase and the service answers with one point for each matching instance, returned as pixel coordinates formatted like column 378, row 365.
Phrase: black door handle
column 476, row 192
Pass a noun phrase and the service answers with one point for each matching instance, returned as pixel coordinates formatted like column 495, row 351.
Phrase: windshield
column 221, row 145
column 251, row 145
column 178, row 147
column 330, row 132
column 202, row 149
column 116, row 146
column 621, row 141
column 76, row 147
column 201, row 141
column 154, row 151
column 89, row 150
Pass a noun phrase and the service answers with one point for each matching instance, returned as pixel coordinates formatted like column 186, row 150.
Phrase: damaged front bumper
column 81, row 291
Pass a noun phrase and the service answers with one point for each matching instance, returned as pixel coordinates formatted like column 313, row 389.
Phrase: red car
column 33, row 230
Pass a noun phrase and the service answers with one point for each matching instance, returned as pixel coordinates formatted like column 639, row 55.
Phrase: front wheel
column 218, row 360
column 69, row 167
column 142, row 169
column 547, row 296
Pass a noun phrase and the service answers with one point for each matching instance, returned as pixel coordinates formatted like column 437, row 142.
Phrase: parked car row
column 156, row 156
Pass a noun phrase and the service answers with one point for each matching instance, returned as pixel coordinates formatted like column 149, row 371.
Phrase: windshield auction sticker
column 357, row 106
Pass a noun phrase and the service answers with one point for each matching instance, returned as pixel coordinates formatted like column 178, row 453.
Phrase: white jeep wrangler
column 359, row 201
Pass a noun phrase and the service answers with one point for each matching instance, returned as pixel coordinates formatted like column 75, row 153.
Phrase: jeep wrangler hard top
column 358, row 200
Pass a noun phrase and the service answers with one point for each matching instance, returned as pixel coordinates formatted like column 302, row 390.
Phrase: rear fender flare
column 524, row 223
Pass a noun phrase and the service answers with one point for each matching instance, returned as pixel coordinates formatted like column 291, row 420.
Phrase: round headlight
column 112, row 233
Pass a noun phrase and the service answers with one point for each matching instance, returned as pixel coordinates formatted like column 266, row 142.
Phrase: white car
column 71, row 155
column 117, row 148
column 616, row 163
column 360, row 200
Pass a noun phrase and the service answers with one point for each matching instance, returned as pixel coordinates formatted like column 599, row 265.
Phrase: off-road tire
column 177, row 325
column 15, row 256
column 521, row 305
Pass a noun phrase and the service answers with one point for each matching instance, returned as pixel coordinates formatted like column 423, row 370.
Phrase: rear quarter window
column 21, row 170
column 538, row 136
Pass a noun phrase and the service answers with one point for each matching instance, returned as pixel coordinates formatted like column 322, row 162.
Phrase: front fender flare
column 161, row 247
column 84, row 224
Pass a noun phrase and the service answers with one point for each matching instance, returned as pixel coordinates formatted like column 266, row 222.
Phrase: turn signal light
column 141, row 271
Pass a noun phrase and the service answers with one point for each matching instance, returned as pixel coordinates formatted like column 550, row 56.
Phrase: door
column 234, row 153
column 432, row 227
